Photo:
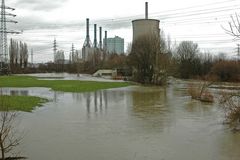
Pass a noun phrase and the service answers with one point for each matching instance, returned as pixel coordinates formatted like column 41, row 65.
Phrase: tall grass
column 200, row 92
column 231, row 105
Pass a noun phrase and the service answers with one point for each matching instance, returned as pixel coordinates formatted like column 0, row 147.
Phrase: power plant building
column 87, row 50
column 115, row 45
column 145, row 27
column 59, row 57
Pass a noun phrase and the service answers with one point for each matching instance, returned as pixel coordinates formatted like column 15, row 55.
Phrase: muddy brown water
column 132, row 123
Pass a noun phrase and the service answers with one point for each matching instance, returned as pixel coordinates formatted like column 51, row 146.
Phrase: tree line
column 152, row 60
column 18, row 53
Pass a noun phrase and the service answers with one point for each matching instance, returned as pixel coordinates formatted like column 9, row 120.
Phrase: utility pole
column 32, row 57
column 54, row 50
column 4, row 57
column 72, row 52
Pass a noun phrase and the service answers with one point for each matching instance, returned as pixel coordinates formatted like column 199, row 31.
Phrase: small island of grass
column 20, row 103
column 58, row 85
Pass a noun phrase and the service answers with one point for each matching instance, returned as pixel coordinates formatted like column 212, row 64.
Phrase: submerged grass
column 20, row 103
column 58, row 85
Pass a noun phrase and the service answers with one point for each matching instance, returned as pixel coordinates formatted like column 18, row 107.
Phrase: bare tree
column 234, row 26
column 9, row 137
column 13, row 52
column 147, row 59
column 200, row 90
column 187, row 59
column 143, row 58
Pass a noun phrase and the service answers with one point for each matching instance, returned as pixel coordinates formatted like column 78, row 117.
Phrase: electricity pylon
column 54, row 49
column 4, row 58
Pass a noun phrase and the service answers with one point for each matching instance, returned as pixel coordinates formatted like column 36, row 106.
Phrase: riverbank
column 58, row 85
column 20, row 103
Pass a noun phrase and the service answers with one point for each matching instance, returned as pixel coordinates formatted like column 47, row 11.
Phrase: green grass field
column 58, row 85
column 20, row 103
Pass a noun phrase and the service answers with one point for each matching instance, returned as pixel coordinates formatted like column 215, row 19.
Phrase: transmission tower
column 72, row 53
column 54, row 49
column 3, row 36
column 32, row 57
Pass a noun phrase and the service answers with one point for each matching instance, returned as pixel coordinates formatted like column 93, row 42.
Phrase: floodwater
column 132, row 123
column 67, row 76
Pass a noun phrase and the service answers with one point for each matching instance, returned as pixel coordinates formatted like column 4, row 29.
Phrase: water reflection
column 151, row 102
column 141, row 122
column 19, row 93
column 151, row 108
column 95, row 102
column 197, row 107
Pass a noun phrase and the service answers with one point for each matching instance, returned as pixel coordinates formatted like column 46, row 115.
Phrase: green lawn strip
column 58, row 85
column 20, row 103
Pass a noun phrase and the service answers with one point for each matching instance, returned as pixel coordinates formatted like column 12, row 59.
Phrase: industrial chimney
column 100, row 37
column 105, row 40
column 87, row 34
column 95, row 36
column 146, row 10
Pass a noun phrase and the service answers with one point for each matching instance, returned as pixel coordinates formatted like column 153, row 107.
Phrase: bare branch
column 234, row 27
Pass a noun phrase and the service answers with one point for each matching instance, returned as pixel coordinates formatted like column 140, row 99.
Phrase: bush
column 201, row 92
column 227, row 70
column 231, row 105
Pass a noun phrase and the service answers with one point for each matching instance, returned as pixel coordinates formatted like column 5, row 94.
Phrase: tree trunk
column 2, row 150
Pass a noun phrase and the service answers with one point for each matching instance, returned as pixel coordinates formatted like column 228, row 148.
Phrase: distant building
column 59, row 57
column 75, row 56
column 115, row 45
column 87, row 53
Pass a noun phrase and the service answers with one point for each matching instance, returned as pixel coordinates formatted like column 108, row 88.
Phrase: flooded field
column 67, row 76
column 142, row 123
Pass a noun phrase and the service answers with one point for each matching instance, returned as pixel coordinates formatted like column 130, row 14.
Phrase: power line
column 163, row 12
column 32, row 57
column 162, row 15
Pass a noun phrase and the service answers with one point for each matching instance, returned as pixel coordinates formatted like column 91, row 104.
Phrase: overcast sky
column 196, row 20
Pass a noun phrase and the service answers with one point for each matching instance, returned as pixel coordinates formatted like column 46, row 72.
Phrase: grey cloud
column 40, row 5
column 118, row 25
column 30, row 23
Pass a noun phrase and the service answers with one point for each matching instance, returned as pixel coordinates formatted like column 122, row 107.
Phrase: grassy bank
column 58, row 85
column 20, row 103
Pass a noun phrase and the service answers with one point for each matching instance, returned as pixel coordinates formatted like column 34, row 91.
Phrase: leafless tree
column 233, row 26
column 186, row 56
column 9, row 137
column 13, row 52
column 23, row 54
column 147, row 59
column 200, row 90
column 18, row 52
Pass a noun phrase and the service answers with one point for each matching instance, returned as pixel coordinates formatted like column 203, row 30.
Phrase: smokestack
column 88, row 37
column 146, row 10
column 105, row 40
column 95, row 35
column 100, row 37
